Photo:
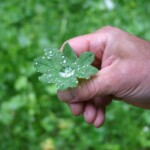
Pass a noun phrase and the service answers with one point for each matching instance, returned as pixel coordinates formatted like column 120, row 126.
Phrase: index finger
column 94, row 42
column 79, row 44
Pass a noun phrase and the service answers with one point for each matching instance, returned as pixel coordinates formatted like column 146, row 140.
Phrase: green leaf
column 86, row 58
column 86, row 72
column 69, row 53
column 64, row 68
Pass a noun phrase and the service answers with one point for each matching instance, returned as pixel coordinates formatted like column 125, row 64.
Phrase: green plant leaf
column 64, row 68
column 69, row 53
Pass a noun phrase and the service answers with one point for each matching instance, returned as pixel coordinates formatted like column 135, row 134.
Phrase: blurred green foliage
column 31, row 117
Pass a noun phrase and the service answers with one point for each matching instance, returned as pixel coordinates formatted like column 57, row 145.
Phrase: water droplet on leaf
column 66, row 72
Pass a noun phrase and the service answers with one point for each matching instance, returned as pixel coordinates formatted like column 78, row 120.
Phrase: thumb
column 100, row 85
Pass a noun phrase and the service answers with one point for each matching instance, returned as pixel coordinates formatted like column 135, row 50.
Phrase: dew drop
column 66, row 72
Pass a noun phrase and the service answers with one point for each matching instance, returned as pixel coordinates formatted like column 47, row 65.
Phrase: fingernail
column 66, row 95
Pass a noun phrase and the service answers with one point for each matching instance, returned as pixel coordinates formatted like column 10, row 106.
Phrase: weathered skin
column 124, row 63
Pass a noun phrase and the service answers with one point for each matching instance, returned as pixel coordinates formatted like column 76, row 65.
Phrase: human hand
column 124, row 63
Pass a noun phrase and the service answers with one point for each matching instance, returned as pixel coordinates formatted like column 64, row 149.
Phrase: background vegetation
column 31, row 117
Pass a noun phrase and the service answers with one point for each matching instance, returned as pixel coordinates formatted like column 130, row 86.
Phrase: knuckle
column 108, row 28
column 87, row 90
column 108, row 32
